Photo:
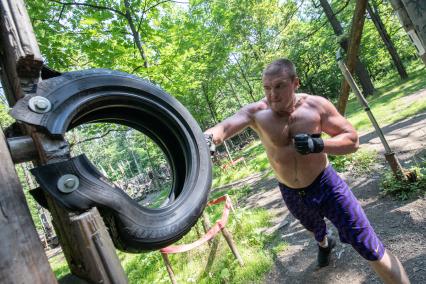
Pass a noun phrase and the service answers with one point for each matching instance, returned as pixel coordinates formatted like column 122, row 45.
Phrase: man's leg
column 390, row 269
column 312, row 220
column 342, row 208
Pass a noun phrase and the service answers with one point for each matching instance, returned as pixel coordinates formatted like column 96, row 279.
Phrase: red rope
column 216, row 228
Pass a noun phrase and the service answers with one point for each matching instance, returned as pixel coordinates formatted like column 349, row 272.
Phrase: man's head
column 280, row 83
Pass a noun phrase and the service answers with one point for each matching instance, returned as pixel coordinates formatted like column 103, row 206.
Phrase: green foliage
column 390, row 185
column 210, row 54
column 59, row 266
column 5, row 118
column 255, row 161
column 31, row 203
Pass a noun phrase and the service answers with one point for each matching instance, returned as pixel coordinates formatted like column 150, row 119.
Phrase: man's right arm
column 235, row 123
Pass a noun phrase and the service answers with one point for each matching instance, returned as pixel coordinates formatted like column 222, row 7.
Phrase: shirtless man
column 289, row 126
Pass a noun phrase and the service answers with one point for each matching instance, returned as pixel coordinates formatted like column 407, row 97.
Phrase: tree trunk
column 236, row 95
column 360, row 69
column 375, row 17
column 243, row 74
column 210, row 105
column 356, row 33
column 135, row 33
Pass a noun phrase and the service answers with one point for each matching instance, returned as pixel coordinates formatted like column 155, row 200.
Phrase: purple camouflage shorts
column 329, row 196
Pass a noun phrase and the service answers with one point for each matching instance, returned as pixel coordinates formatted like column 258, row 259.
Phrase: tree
column 375, row 17
column 360, row 70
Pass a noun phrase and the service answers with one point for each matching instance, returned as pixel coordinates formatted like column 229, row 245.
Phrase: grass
column 357, row 163
column 402, row 189
column 388, row 104
column 59, row 266
column 255, row 161
column 192, row 267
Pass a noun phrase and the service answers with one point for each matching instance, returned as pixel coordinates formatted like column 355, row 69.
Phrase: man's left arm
column 344, row 138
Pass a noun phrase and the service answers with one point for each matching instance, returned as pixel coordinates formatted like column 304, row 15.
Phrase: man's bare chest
column 279, row 131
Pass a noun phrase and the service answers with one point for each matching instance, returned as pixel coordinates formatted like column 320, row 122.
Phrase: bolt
column 39, row 104
column 68, row 183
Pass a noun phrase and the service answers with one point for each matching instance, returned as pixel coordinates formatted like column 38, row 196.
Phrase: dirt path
column 400, row 224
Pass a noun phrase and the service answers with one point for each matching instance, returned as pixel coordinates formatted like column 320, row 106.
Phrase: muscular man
column 289, row 126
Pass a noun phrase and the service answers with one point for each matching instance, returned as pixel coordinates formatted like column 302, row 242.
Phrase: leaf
column 225, row 274
column 88, row 21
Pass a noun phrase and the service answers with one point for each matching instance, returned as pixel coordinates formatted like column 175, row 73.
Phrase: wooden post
column 89, row 229
column 212, row 255
column 228, row 237
column 356, row 32
column 206, row 225
column 22, row 259
column 169, row 268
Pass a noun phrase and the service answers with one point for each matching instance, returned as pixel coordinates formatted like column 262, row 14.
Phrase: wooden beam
column 354, row 42
column 22, row 258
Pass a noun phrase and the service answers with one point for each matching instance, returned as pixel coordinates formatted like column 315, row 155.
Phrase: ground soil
column 400, row 224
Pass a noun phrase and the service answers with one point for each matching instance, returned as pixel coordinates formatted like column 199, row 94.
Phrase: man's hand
column 210, row 143
column 307, row 143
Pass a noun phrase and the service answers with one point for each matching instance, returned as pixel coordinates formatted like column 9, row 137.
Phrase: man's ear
column 296, row 83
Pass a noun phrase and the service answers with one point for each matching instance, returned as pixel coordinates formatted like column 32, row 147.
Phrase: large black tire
column 109, row 96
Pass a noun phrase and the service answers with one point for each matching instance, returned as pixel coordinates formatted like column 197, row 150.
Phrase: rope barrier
column 214, row 230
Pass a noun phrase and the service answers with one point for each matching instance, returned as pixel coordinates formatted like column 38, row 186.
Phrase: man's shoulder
column 256, row 106
column 313, row 99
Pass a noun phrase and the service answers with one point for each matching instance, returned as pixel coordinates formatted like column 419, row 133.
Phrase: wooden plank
column 407, row 16
column 22, row 258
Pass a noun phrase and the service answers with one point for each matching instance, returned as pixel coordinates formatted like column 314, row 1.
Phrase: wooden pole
column 355, row 40
column 22, row 259
column 206, row 225
column 393, row 161
column 169, row 268
column 212, row 255
column 228, row 237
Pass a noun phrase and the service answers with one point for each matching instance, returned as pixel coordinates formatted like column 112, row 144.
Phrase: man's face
column 280, row 91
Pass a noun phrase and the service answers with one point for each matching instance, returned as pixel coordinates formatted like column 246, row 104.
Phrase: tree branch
column 60, row 14
column 96, row 137
column 323, row 24
column 89, row 5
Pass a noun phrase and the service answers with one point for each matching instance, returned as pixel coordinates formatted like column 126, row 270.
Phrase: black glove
column 308, row 143
column 210, row 143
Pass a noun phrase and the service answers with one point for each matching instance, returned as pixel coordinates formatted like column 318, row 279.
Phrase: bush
column 401, row 189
